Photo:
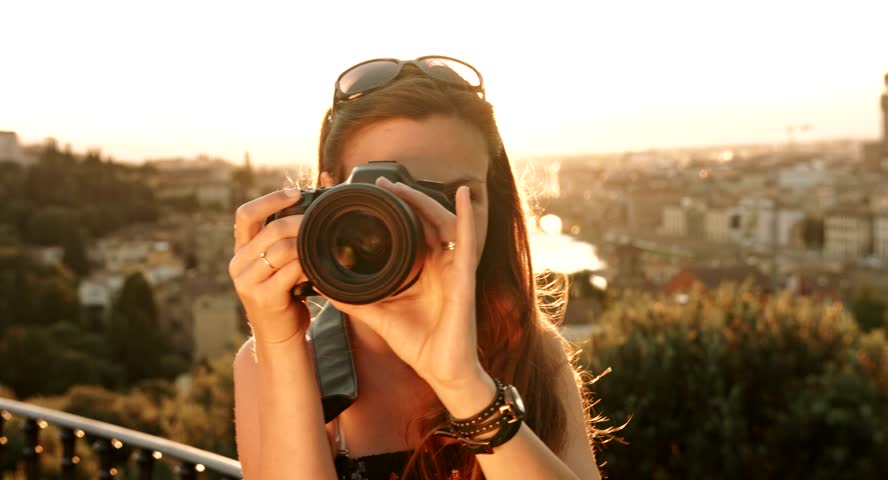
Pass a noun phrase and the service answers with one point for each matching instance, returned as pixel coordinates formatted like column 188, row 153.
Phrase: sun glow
column 572, row 77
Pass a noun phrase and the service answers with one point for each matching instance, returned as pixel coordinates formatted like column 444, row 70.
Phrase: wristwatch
column 514, row 405
column 510, row 418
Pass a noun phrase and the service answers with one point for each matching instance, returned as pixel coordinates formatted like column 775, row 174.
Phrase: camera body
column 359, row 243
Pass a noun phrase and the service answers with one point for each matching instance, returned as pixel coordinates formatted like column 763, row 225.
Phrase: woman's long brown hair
column 517, row 342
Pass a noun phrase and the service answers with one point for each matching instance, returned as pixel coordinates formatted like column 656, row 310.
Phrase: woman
column 439, row 352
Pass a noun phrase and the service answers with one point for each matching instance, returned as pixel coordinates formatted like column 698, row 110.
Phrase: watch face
column 513, row 398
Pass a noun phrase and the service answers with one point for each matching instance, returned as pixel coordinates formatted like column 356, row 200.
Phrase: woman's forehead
column 439, row 148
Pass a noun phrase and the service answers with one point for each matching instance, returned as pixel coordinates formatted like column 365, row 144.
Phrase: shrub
column 734, row 384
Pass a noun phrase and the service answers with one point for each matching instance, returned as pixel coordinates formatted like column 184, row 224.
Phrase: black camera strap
column 333, row 361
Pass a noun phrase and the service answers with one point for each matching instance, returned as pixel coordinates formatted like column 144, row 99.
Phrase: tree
column 51, row 359
column 136, row 341
column 75, row 253
column 734, row 385
column 813, row 233
column 52, row 225
column 869, row 310
column 33, row 294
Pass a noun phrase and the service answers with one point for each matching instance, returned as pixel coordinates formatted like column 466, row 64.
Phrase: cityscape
column 807, row 218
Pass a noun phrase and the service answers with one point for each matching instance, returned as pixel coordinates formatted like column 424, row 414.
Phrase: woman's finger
column 465, row 231
column 425, row 205
column 282, row 228
column 287, row 277
column 251, row 216
column 259, row 267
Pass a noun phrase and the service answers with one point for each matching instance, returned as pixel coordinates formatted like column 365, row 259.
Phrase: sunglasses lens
column 367, row 76
column 451, row 71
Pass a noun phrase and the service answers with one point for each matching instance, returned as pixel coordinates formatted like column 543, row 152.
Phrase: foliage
column 64, row 193
column 75, row 257
column 199, row 412
column 813, row 233
column 50, row 359
column 138, row 345
column 51, row 349
column 204, row 417
column 33, row 294
column 734, row 384
column 869, row 310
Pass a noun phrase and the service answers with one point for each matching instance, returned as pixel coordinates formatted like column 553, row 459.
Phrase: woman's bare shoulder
column 246, row 352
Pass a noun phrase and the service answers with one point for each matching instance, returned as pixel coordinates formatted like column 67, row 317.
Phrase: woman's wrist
column 468, row 397
column 283, row 327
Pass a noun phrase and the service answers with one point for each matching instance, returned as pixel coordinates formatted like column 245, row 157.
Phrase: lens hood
column 332, row 215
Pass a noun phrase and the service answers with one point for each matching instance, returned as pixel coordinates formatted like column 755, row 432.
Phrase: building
column 11, row 150
column 803, row 176
column 789, row 221
column 718, row 225
column 675, row 221
column 757, row 225
column 687, row 219
column 711, row 278
column 638, row 207
column 873, row 160
column 97, row 293
column 212, row 243
column 204, row 180
column 875, row 154
column 885, row 121
column 880, row 237
column 721, row 219
column 847, row 233
column 217, row 327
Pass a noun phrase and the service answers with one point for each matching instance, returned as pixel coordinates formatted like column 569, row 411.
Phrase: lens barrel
column 359, row 243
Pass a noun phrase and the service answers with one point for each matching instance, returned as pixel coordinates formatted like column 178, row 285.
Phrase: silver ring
column 262, row 256
column 448, row 245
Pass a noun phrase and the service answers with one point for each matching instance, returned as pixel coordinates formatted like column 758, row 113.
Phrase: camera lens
column 361, row 243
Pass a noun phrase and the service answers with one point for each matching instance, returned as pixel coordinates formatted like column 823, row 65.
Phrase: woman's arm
column 279, row 417
column 432, row 328
column 525, row 455
column 278, row 414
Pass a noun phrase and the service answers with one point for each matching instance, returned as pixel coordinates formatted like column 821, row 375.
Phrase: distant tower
column 885, row 119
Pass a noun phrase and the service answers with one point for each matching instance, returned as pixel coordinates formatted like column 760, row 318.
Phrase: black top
column 384, row 466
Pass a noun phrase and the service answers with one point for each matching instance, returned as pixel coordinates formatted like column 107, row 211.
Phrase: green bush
column 734, row 384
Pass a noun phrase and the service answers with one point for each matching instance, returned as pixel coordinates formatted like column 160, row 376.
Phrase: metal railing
column 109, row 439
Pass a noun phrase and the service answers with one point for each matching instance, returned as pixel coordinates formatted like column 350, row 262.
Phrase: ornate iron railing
column 109, row 439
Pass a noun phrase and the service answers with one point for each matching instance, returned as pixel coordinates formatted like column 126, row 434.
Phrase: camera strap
column 334, row 362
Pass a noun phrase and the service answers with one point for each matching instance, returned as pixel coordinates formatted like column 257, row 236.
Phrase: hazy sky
column 167, row 78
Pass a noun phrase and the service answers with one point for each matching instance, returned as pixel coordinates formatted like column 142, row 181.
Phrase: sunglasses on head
column 371, row 75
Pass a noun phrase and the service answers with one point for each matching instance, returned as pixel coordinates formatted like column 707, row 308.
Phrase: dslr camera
column 359, row 243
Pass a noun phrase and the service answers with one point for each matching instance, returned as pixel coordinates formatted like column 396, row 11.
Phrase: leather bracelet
column 488, row 412
column 504, row 415
column 485, row 447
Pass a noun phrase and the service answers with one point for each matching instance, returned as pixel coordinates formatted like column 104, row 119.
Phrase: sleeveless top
column 337, row 379
column 383, row 466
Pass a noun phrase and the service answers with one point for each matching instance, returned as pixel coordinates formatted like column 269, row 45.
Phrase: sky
column 181, row 78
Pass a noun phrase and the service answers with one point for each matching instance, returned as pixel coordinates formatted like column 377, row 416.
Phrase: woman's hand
column 265, row 267
column 431, row 326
